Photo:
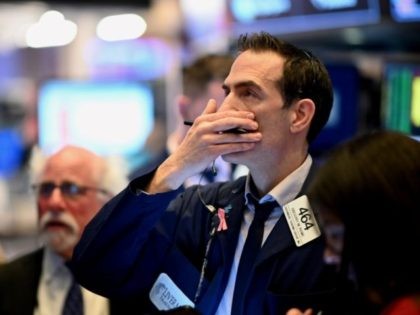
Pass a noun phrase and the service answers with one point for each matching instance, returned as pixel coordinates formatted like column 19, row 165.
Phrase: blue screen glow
column 106, row 117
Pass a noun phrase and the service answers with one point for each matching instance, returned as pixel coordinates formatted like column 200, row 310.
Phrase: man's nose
column 56, row 196
column 229, row 103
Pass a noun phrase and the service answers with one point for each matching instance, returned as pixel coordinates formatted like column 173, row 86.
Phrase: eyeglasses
column 67, row 189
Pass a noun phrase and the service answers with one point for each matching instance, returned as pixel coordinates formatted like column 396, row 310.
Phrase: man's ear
column 183, row 103
column 302, row 113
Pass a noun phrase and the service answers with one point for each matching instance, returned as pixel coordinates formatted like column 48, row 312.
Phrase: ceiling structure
column 370, row 26
column 387, row 36
column 83, row 3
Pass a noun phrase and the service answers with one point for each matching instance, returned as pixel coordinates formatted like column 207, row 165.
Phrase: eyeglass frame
column 65, row 188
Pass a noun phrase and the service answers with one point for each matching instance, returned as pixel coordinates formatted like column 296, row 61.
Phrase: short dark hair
column 203, row 70
column 304, row 76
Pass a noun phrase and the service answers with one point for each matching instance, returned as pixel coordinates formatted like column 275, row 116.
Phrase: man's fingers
column 211, row 107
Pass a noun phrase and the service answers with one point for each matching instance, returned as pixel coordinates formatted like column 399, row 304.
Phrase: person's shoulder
column 226, row 186
column 20, row 263
column 218, row 190
column 149, row 166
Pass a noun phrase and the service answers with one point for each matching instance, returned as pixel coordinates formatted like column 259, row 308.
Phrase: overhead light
column 121, row 27
column 52, row 29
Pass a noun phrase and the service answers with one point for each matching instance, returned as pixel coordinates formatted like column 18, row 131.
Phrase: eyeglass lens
column 68, row 189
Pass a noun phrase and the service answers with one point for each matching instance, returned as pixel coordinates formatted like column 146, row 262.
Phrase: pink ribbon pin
column 222, row 224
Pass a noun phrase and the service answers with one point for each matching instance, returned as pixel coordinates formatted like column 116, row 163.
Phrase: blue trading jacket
column 136, row 237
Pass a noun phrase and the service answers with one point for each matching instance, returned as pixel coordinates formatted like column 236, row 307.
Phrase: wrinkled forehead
column 266, row 66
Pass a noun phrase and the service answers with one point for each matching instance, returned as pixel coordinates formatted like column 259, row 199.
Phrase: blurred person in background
column 201, row 81
column 70, row 186
column 18, row 120
column 370, row 186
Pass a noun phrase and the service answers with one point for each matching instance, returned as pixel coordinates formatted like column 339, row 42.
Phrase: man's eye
column 46, row 188
column 71, row 189
column 248, row 93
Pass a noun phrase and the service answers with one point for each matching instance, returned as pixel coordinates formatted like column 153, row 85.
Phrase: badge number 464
column 301, row 220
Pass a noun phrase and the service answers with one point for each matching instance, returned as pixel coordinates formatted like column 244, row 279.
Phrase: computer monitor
column 401, row 98
column 109, row 118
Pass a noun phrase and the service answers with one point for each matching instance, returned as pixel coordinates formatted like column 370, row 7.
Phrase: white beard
column 63, row 239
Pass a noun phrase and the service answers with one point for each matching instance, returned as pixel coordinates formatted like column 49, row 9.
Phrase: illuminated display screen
column 401, row 98
column 142, row 59
column 405, row 11
column 106, row 117
column 287, row 16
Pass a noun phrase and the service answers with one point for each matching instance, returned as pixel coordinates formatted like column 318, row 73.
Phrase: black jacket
column 19, row 280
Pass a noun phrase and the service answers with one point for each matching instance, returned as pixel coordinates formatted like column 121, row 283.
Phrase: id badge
column 301, row 220
column 166, row 295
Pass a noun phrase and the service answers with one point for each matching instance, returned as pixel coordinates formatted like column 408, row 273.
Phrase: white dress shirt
column 54, row 284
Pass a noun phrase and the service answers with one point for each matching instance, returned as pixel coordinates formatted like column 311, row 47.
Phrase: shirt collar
column 286, row 190
column 53, row 266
